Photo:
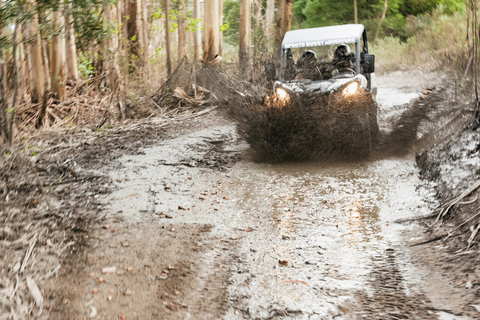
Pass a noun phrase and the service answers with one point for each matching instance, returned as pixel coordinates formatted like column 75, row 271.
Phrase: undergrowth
column 438, row 43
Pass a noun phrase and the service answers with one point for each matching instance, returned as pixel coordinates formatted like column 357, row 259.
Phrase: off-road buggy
column 333, row 65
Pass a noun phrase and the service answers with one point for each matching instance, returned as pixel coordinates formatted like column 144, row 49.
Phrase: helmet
column 307, row 56
column 342, row 51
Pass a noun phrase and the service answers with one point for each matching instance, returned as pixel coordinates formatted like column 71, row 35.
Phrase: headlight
column 350, row 89
column 282, row 94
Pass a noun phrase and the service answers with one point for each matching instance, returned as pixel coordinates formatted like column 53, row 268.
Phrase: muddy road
column 196, row 229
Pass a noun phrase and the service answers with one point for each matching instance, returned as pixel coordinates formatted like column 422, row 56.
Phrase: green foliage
column 438, row 43
column 85, row 67
column 231, row 14
column 318, row 13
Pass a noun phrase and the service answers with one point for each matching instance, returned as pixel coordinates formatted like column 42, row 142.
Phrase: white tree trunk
column 182, row 29
column 36, row 66
column 211, row 41
column 198, row 32
column 70, row 48
column 244, row 33
column 270, row 15
column 145, row 30
column 220, row 22
column 58, row 65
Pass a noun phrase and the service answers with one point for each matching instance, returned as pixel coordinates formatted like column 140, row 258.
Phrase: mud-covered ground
column 175, row 219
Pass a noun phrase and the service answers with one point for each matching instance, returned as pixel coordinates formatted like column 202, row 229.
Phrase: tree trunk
column 284, row 22
column 220, row 23
column 36, row 65
column 70, row 48
column 132, row 33
column 244, row 33
column 355, row 10
column 58, row 65
column 3, row 61
column 198, row 31
column 385, row 7
column 211, row 41
column 167, row 37
column 270, row 15
column 182, row 29
column 146, row 41
column 108, row 46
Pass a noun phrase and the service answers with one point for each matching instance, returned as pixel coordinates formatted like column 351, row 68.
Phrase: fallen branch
column 456, row 201
column 428, row 241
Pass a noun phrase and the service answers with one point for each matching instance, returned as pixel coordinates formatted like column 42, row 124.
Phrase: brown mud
column 195, row 228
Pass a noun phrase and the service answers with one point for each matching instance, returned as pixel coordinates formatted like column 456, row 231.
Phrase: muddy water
column 305, row 240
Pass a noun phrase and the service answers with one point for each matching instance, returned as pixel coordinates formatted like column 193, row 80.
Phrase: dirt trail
column 197, row 230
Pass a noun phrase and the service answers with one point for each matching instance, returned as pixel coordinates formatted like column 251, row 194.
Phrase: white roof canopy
column 324, row 36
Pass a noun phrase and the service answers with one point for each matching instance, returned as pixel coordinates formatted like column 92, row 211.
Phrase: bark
column 3, row 61
column 70, row 48
column 132, row 31
column 211, row 41
column 284, row 22
column 355, row 10
column 167, row 37
column 146, row 41
column 182, row 29
column 8, row 113
column 58, row 65
column 198, row 31
column 108, row 45
column 385, row 7
column 269, row 30
column 36, row 62
column 220, row 23
column 244, row 33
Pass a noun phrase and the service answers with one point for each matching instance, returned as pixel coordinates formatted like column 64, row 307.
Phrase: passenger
column 342, row 61
column 307, row 66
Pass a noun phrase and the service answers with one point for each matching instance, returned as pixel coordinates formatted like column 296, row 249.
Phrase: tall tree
column 70, row 48
column 220, row 22
column 145, row 28
column 133, row 30
column 211, row 42
column 284, row 22
column 198, row 31
column 385, row 8
column 269, row 24
column 245, row 33
column 182, row 29
column 167, row 37
column 34, row 54
column 355, row 11
column 58, row 64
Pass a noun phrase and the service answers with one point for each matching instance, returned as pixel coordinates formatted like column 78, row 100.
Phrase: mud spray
column 320, row 128
column 306, row 128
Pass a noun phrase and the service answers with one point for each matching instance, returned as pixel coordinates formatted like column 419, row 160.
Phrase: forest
column 53, row 51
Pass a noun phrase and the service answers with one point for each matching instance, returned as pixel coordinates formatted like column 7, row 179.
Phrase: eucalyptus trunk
column 198, row 31
column 58, row 64
column 211, row 42
column 70, row 48
column 244, row 33
column 35, row 59
column 182, row 29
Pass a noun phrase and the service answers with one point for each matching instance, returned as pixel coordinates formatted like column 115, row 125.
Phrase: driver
column 343, row 60
column 307, row 66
